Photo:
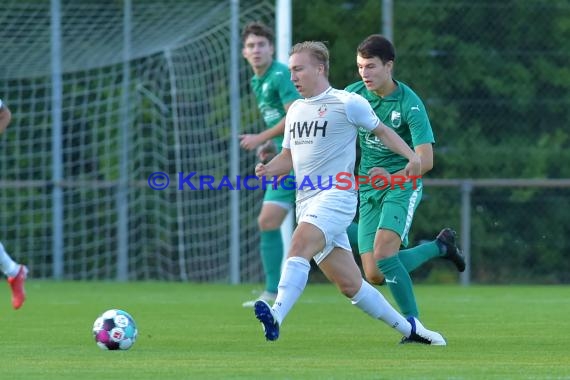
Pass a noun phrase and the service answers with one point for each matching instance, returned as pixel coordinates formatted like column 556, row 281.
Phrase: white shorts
column 331, row 211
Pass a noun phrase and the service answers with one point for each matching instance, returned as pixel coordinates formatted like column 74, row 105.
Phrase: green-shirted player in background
column 386, row 215
column 274, row 93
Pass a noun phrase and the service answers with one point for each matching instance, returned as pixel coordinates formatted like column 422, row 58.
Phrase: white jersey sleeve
column 360, row 113
column 286, row 137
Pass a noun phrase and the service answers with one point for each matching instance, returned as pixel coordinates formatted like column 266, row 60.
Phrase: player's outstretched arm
column 361, row 113
column 278, row 166
column 395, row 143
column 425, row 151
column 252, row 141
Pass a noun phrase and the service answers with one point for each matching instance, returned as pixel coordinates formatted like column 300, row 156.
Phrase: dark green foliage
column 494, row 76
column 495, row 79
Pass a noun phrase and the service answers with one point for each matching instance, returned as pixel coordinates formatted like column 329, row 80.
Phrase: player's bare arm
column 425, row 151
column 395, row 143
column 252, row 141
column 278, row 166
column 5, row 117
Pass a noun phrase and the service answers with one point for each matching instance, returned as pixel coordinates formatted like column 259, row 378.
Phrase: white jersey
column 321, row 132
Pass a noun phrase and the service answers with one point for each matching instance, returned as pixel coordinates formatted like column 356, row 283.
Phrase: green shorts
column 391, row 209
column 285, row 196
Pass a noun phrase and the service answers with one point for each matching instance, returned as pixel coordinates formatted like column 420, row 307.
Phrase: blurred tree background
column 493, row 75
column 495, row 80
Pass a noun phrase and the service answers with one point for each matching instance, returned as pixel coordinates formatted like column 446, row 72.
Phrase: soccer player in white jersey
column 15, row 272
column 320, row 143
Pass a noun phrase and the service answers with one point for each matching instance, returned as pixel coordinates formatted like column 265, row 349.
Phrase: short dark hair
column 376, row 45
column 259, row 29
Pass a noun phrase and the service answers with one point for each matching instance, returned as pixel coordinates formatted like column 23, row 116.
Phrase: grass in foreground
column 189, row 331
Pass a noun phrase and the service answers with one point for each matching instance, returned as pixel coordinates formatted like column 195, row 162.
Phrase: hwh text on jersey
column 305, row 129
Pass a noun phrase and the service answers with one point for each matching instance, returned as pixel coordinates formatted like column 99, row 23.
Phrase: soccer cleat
column 17, row 285
column 422, row 335
column 447, row 239
column 266, row 316
column 266, row 296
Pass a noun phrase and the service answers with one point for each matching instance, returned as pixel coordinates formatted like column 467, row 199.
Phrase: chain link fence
column 493, row 75
column 495, row 79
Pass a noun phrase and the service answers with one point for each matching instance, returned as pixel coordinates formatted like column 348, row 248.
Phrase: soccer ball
column 115, row 330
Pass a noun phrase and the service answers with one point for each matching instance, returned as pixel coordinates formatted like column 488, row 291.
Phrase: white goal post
column 144, row 87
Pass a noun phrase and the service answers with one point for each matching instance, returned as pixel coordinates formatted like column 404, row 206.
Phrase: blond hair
column 316, row 49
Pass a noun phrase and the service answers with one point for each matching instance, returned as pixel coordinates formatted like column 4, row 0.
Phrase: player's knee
column 349, row 288
column 385, row 250
column 374, row 277
column 300, row 248
column 268, row 222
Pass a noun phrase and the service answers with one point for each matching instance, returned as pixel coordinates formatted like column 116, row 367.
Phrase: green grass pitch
column 190, row 331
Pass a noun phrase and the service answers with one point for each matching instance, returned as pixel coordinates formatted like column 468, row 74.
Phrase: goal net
column 78, row 213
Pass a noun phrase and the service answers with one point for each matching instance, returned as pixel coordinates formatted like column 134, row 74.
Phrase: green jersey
column 404, row 112
column 272, row 91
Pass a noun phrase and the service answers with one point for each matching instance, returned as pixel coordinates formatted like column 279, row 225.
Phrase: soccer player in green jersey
column 274, row 93
column 386, row 215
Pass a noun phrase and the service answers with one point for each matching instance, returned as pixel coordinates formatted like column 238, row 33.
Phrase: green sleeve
column 420, row 127
column 287, row 91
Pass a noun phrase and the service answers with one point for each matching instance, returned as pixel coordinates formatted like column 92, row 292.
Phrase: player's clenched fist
column 266, row 151
column 260, row 170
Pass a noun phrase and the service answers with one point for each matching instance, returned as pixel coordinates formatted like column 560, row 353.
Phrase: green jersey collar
column 394, row 96
column 269, row 69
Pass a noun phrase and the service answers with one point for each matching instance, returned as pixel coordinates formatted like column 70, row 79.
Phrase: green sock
column 400, row 284
column 413, row 258
column 271, row 258
column 352, row 232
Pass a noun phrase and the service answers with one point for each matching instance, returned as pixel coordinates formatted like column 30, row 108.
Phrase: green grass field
column 189, row 331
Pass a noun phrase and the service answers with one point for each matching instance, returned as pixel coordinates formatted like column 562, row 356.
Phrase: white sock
column 292, row 283
column 372, row 302
column 7, row 265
